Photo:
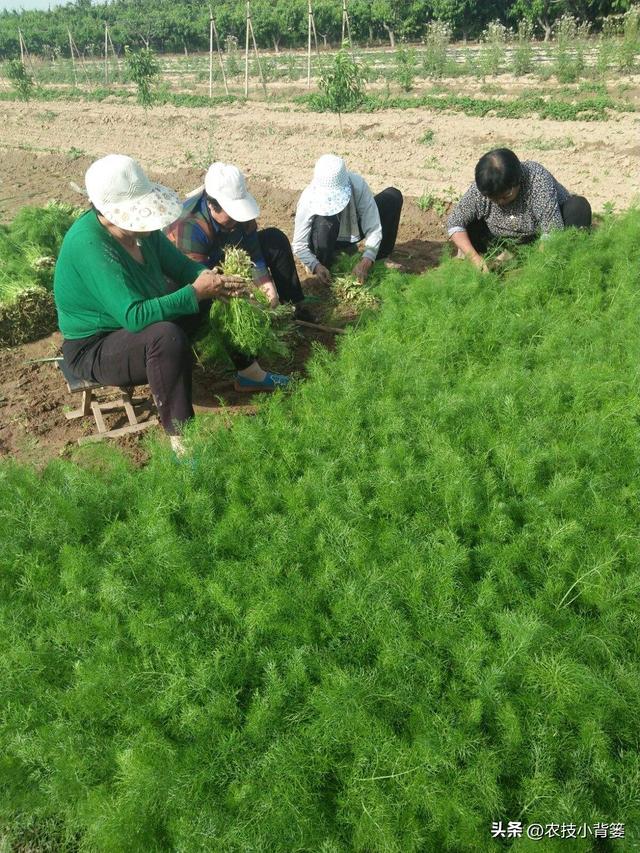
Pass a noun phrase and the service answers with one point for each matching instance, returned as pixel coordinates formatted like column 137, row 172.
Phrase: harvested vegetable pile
column 394, row 607
column 348, row 290
column 28, row 251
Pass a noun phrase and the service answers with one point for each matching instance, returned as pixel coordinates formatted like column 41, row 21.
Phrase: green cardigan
column 99, row 287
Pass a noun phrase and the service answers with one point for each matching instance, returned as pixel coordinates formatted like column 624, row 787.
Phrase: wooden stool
column 92, row 406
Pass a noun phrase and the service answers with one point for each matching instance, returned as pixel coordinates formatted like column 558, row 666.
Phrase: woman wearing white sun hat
column 122, row 322
column 336, row 211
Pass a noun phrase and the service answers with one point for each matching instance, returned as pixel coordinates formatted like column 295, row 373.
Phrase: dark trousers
column 278, row 256
column 576, row 213
column 324, row 242
column 159, row 355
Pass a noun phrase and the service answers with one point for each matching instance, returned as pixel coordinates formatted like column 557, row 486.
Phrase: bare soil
column 46, row 146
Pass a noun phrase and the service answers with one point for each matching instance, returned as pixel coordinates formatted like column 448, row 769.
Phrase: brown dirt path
column 279, row 143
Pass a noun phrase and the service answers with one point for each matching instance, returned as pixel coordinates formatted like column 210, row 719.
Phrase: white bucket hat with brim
column 330, row 189
column 228, row 186
column 120, row 190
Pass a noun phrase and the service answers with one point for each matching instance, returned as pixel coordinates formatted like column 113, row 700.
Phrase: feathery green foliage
column 397, row 605
column 248, row 326
column 29, row 247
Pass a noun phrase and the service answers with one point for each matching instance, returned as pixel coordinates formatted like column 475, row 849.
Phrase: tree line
column 183, row 25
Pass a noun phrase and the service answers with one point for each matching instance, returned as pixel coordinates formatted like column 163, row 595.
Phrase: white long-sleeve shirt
column 359, row 220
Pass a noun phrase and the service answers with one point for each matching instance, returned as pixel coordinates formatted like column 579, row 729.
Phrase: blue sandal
column 270, row 382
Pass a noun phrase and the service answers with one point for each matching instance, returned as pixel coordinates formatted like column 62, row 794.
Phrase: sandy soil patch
column 278, row 144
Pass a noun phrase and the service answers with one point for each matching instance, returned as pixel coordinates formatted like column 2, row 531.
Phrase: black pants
column 576, row 213
column 278, row 256
column 159, row 355
column 324, row 242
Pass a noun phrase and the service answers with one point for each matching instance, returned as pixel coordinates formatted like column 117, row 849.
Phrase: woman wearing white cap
column 336, row 211
column 223, row 213
column 121, row 321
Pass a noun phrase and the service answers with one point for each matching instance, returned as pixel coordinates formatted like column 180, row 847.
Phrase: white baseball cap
column 330, row 189
column 120, row 190
column 227, row 185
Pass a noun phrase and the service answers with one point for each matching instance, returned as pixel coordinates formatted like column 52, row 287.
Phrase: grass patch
column 394, row 607
column 427, row 138
column 541, row 144
column 439, row 203
column 590, row 108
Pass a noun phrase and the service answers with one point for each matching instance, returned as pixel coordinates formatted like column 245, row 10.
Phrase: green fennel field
column 396, row 606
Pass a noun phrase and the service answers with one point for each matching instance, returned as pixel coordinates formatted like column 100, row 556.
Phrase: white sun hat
column 227, row 185
column 330, row 189
column 119, row 189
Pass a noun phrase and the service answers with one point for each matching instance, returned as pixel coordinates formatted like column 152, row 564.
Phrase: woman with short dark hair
column 512, row 200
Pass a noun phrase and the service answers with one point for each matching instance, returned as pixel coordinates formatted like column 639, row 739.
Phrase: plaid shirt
column 200, row 237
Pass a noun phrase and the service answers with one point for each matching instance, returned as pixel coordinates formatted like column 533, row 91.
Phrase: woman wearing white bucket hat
column 122, row 323
column 336, row 211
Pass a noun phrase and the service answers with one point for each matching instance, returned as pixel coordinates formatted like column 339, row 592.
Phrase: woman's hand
column 478, row 261
column 211, row 285
column 269, row 290
column 322, row 274
column 361, row 269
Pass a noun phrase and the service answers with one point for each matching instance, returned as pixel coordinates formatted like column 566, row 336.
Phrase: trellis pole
column 25, row 56
column 246, row 53
column 210, row 55
column 346, row 26
column 213, row 34
column 83, row 64
column 310, row 13
column 249, row 31
column 113, row 51
column 73, row 57
column 311, row 30
column 106, row 54
column 255, row 49
column 224, row 76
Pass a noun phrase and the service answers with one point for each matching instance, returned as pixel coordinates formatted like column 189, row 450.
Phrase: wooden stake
column 224, row 76
column 106, row 54
column 246, row 53
column 255, row 49
column 346, row 26
column 25, row 56
column 309, row 47
column 115, row 55
column 315, row 34
column 210, row 55
column 321, row 327
column 73, row 58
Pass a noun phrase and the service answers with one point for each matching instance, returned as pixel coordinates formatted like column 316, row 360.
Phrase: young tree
column 342, row 84
column 20, row 79
column 143, row 68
